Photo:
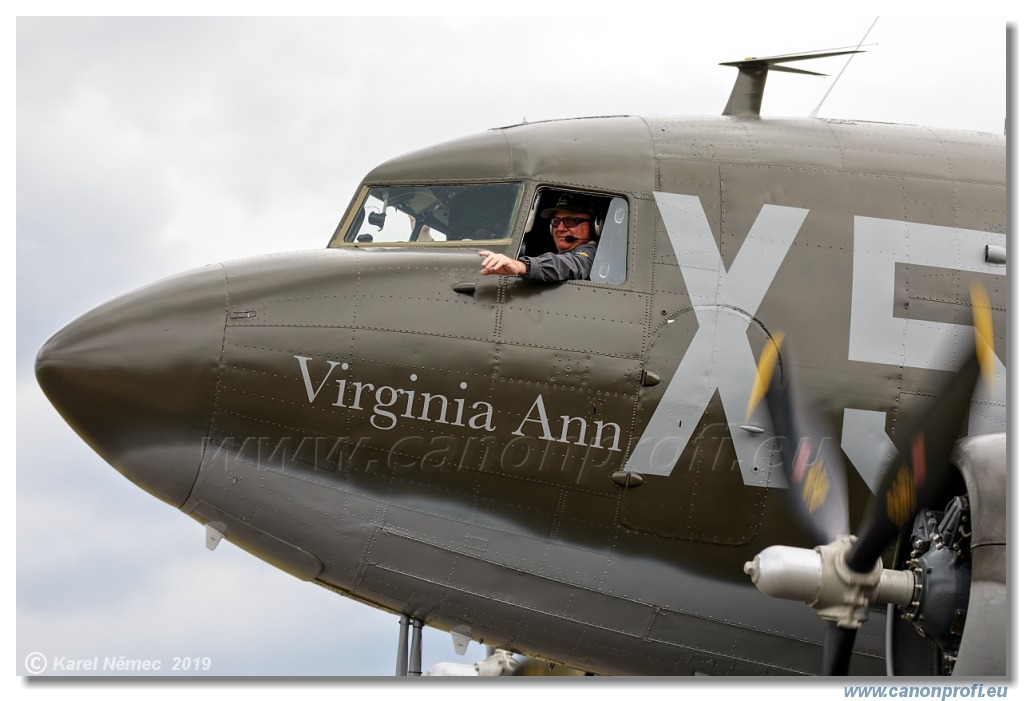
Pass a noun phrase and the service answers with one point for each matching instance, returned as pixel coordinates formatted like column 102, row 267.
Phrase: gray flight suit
column 555, row 267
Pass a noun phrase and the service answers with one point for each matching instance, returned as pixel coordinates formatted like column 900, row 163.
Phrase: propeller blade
column 849, row 568
column 921, row 469
column 810, row 455
column 835, row 660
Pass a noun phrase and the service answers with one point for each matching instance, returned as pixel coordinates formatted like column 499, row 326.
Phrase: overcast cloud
column 149, row 146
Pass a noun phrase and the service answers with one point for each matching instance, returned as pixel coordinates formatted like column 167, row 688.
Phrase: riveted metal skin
column 466, row 450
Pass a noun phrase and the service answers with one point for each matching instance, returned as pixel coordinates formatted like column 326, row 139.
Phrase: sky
column 149, row 146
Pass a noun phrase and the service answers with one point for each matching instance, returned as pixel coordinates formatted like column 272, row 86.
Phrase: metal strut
column 409, row 663
column 402, row 663
column 416, row 654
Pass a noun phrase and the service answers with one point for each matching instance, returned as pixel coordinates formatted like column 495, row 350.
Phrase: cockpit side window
column 433, row 214
column 610, row 228
column 610, row 263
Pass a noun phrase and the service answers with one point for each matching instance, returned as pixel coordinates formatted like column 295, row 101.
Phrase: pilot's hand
column 500, row 264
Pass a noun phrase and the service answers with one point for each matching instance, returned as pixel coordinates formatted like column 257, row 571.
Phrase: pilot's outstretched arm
column 500, row 264
column 547, row 267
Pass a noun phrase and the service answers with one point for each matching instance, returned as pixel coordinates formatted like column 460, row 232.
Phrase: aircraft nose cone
column 136, row 378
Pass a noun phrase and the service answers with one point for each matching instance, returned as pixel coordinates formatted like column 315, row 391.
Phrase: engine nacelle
column 982, row 463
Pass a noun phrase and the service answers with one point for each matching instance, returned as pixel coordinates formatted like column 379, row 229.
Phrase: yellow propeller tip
column 765, row 370
column 984, row 335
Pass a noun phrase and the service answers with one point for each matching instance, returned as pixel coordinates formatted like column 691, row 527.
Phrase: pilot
column 571, row 222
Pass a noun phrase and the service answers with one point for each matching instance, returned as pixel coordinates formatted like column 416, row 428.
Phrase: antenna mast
column 748, row 90
column 814, row 112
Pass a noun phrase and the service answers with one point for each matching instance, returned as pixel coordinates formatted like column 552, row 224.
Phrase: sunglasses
column 570, row 222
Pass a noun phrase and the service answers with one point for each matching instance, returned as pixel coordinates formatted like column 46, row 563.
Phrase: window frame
column 612, row 250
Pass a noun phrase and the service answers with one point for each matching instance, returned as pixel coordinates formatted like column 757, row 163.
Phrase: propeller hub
column 822, row 579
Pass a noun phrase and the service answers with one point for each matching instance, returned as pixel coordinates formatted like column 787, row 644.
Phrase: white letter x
column 719, row 357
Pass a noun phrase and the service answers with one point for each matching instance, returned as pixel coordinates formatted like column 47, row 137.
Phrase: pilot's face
column 567, row 238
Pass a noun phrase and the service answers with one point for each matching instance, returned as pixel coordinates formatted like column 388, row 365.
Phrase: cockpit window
column 610, row 262
column 434, row 214
column 609, row 229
